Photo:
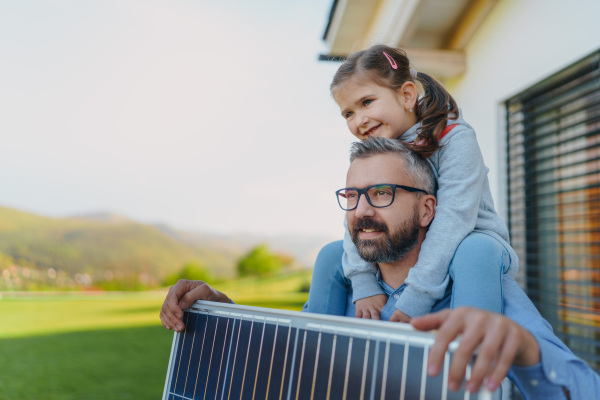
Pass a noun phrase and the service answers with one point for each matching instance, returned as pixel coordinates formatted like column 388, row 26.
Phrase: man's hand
column 499, row 341
column 183, row 295
column 399, row 316
column 370, row 307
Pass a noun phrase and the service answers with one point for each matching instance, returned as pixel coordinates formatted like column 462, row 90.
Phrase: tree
column 260, row 261
column 191, row 270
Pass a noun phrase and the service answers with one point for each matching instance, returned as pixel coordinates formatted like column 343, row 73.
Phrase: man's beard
column 389, row 248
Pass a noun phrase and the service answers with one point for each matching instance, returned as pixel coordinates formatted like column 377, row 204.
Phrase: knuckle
column 437, row 352
column 461, row 357
column 486, row 351
column 478, row 372
column 461, row 311
column 457, row 373
column 499, row 324
column 503, row 365
column 514, row 331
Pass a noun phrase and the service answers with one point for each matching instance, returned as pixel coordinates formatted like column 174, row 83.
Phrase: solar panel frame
column 219, row 341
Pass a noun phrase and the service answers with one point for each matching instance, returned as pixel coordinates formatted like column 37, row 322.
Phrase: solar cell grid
column 264, row 363
column 238, row 352
column 321, row 379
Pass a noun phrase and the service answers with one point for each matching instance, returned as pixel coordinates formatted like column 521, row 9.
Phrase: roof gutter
column 331, row 13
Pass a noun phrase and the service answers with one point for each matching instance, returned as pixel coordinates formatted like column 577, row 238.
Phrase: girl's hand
column 370, row 307
column 399, row 316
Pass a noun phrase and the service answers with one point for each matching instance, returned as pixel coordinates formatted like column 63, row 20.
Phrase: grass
column 276, row 292
column 42, row 314
column 128, row 363
column 108, row 346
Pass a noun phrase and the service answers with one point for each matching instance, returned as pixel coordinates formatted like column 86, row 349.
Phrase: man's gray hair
column 417, row 167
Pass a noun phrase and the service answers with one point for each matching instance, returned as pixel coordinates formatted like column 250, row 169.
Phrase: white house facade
column 526, row 74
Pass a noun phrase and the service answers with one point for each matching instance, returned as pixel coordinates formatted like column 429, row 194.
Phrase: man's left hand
column 500, row 343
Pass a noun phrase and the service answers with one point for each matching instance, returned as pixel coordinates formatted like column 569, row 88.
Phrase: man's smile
column 366, row 229
column 369, row 233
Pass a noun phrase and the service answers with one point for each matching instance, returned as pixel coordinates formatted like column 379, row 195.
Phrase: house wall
column 520, row 43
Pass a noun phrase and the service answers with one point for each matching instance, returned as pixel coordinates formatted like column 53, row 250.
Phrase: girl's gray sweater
column 464, row 204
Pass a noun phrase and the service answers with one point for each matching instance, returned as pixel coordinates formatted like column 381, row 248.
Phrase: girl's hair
column 433, row 108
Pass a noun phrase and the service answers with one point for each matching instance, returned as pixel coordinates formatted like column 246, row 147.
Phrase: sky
column 205, row 115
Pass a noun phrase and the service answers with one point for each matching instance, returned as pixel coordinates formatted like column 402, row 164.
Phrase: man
column 389, row 223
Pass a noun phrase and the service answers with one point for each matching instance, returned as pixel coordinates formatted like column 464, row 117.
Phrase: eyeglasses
column 379, row 196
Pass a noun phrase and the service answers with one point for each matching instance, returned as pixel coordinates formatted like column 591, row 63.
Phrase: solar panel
column 229, row 351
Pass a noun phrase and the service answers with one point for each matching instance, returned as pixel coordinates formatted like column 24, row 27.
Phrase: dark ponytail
column 433, row 109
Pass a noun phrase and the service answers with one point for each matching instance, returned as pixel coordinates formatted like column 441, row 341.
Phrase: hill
column 303, row 248
column 109, row 251
column 71, row 252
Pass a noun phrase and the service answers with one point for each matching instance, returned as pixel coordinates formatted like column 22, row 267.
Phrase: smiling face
column 386, row 247
column 384, row 235
column 373, row 110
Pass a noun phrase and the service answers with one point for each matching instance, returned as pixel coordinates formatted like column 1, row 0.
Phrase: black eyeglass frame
column 364, row 191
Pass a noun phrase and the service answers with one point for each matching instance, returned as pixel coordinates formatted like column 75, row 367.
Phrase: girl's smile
column 374, row 110
column 369, row 131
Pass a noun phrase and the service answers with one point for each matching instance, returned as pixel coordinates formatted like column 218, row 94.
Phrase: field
column 104, row 346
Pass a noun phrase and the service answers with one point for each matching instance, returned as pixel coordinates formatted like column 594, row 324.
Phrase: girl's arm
column 461, row 178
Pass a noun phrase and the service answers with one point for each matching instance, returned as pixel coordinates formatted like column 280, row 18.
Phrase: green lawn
column 109, row 346
column 126, row 363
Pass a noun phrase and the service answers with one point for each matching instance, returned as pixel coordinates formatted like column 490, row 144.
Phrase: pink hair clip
column 391, row 60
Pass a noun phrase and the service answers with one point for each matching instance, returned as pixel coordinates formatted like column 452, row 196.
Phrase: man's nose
column 364, row 209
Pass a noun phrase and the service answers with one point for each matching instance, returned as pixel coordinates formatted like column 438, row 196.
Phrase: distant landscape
column 105, row 251
column 80, row 298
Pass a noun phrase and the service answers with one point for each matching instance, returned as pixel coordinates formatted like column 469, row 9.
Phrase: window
column 553, row 151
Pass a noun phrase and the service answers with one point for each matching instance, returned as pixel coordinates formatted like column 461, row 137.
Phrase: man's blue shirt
column 559, row 367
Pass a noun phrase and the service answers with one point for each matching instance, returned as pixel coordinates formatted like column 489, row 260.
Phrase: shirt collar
column 387, row 288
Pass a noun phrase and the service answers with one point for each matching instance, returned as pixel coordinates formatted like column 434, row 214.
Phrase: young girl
column 376, row 90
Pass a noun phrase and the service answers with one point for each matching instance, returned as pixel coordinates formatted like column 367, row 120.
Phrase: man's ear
column 427, row 210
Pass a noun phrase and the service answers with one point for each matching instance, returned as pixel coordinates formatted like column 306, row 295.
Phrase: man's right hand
column 182, row 296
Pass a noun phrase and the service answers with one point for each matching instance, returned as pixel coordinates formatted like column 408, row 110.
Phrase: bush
column 193, row 271
column 260, row 261
column 304, row 286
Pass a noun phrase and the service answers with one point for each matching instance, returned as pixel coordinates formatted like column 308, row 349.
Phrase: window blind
column 553, row 172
